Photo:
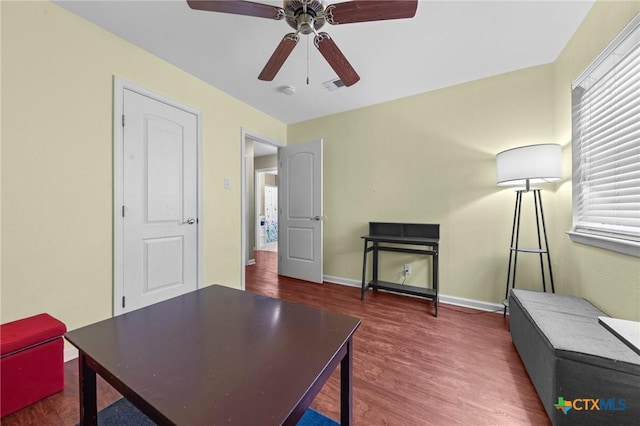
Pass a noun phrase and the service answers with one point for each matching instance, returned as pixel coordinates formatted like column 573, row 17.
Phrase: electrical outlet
column 406, row 270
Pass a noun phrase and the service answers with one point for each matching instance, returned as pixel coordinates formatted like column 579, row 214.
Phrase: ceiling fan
column 308, row 16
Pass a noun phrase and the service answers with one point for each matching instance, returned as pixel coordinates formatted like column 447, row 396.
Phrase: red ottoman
column 31, row 361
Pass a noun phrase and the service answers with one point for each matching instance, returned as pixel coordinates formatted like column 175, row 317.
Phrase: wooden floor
column 410, row 368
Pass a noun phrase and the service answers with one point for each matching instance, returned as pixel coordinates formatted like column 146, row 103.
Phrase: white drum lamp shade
column 533, row 163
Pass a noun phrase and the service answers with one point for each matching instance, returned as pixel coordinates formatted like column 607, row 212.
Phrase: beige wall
column 270, row 179
column 57, row 73
column 264, row 179
column 266, row 162
column 431, row 158
column 609, row 280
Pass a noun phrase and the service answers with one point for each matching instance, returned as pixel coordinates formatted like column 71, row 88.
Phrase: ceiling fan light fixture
column 305, row 16
column 288, row 90
column 308, row 17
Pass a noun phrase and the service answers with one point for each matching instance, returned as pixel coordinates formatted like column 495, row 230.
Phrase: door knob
column 189, row 221
column 316, row 218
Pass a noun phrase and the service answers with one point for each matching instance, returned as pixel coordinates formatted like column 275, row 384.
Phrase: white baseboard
column 443, row 298
column 472, row 303
column 70, row 354
column 341, row 281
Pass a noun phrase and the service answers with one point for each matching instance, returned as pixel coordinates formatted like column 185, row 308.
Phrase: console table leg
column 364, row 270
column 374, row 272
column 436, row 274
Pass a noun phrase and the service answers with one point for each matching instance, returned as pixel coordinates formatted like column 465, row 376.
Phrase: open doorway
column 261, row 158
column 266, row 207
column 259, row 200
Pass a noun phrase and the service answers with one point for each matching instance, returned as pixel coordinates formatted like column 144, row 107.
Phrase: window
column 606, row 147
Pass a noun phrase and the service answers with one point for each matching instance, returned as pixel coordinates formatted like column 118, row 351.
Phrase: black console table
column 381, row 234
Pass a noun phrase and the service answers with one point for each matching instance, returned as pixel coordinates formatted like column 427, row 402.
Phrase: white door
column 300, row 213
column 160, row 223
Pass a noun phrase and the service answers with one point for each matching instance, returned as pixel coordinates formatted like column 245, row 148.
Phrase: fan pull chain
column 307, row 60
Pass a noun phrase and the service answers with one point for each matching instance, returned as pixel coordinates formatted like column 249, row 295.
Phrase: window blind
column 606, row 141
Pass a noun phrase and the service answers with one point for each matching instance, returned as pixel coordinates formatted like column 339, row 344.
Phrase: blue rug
column 123, row 413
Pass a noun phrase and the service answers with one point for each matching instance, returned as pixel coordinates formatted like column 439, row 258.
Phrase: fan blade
column 336, row 59
column 238, row 7
column 278, row 57
column 367, row 10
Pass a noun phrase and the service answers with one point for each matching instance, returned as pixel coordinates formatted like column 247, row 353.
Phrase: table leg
column 346, row 383
column 88, row 397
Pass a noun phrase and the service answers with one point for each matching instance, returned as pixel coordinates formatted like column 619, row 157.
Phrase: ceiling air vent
column 332, row 85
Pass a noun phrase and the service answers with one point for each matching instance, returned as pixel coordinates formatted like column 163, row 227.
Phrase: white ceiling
column 446, row 43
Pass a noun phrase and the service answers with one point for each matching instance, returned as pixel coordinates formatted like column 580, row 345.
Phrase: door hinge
column 122, row 211
column 123, row 301
column 122, row 120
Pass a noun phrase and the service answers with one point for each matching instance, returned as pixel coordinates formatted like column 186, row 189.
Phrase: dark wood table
column 218, row 356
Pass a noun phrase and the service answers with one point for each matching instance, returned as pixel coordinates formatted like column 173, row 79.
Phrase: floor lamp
column 523, row 166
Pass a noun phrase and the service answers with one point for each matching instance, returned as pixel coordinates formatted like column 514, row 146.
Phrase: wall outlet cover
column 406, row 269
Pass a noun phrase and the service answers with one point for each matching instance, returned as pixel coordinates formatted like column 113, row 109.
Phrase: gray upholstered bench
column 569, row 355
